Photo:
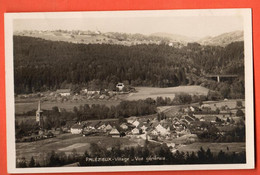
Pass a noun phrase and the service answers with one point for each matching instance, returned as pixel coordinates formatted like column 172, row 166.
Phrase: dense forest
column 41, row 65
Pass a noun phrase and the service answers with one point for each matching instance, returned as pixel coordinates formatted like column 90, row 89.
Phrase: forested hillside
column 41, row 65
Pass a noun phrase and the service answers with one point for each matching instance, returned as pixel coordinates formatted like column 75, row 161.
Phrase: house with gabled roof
column 131, row 119
column 124, row 126
column 167, row 126
column 161, row 129
column 187, row 119
column 154, row 124
column 63, row 92
column 143, row 127
column 114, row 132
column 136, row 131
column 76, row 129
column 153, row 132
column 108, row 127
column 136, row 123
column 202, row 119
column 92, row 125
column 69, row 124
column 102, row 126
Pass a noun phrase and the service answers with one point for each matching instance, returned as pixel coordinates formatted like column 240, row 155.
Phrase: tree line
column 149, row 154
column 56, row 118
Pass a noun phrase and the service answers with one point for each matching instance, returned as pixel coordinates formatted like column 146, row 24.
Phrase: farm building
column 167, row 126
column 93, row 125
column 205, row 107
column 187, row 119
column 84, row 90
column 69, row 124
column 131, row 119
column 136, row 123
column 102, row 126
column 135, row 131
column 120, row 86
column 76, row 129
column 143, row 127
column 161, row 129
column 63, row 92
column 124, row 126
column 202, row 119
column 108, row 127
column 153, row 132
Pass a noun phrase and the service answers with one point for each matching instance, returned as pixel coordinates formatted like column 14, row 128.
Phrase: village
column 190, row 123
column 186, row 123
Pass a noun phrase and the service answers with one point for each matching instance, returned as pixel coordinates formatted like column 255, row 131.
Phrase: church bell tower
column 39, row 117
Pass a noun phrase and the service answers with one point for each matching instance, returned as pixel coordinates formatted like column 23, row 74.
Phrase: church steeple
column 39, row 114
column 39, row 106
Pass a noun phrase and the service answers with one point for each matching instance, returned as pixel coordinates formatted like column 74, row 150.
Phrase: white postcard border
column 249, row 99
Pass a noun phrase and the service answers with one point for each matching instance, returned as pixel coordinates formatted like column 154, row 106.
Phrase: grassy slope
column 214, row 147
column 67, row 142
column 142, row 93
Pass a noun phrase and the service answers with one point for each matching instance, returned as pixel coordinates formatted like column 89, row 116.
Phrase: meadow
column 214, row 147
column 22, row 106
column 70, row 144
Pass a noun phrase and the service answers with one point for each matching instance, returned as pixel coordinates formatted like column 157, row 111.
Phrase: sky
column 191, row 26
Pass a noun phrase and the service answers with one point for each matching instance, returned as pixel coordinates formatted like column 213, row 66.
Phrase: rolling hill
column 116, row 38
column 176, row 38
column 223, row 39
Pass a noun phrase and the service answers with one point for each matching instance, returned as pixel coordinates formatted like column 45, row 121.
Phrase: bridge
column 219, row 78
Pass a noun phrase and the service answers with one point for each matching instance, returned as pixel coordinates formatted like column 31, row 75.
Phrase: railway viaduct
column 220, row 78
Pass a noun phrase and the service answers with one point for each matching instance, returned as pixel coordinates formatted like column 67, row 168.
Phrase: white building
column 135, row 131
column 123, row 126
column 76, row 129
column 120, row 86
column 102, row 126
column 63, row 92
column 136, row 123
column 108, row 127
column 161, row 130
column 114, row 133
column 154, row 132
column 131, row 119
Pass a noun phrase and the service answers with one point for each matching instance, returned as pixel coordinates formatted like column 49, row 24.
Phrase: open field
column 230, row 103
column 68, row 143
column 214, row 147
column 170, row 111
column 20, row 119
column 22, row 107
column 152, row 92
column 25, row 105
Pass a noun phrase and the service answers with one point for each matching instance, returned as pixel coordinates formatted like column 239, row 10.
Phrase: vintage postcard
column 129, row 91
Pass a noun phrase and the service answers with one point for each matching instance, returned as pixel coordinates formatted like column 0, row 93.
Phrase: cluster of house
column 37, row 136
column 147, row 128
column 152, row 128
column 67, row 92
column 205, row 116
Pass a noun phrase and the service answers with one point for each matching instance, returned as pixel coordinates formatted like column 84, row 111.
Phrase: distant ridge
column 176, row 38
column 223, row 39
column 97, row 37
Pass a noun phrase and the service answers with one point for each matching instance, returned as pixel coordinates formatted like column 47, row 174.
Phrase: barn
column 76, row 129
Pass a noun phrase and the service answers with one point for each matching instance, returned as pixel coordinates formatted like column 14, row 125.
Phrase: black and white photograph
column 129, row 90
